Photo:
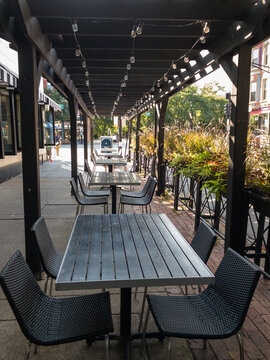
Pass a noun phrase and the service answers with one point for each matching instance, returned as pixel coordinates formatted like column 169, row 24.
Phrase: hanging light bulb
column 84, row 64
column 86, row 73
column 133, row 32
column 78, row 51
column 128, row 66
column 87, row 82
column 165, row 77
column 126, row 77
column 132, row 59
column 120, row 94
column 75, row 27
column 186, row 59
column 202, row 39
column 206, row 28
column 158, row 83
column 174, row 65
column 139, row 29
column 124, row 84
column 89, row 93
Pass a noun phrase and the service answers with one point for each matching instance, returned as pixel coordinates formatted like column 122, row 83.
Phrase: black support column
column 85, row 138
column 129, row 137
column 120, row 128
column 92, row 136
column 30, row 145
column 73, row 134
column 161, row 107
column 137, row 154
column 239, row 72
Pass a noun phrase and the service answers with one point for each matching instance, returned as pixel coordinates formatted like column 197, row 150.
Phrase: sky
column 9, row 58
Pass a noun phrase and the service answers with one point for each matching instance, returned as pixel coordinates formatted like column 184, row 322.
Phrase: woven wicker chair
column 143, row 201
column 50, row 258
column 50, row 321
column 216, row 313
column 87, row 201
column 203, row 243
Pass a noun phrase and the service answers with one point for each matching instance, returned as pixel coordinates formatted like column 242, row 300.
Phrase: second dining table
column 113, row 179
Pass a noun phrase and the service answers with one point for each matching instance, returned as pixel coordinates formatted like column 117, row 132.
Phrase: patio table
column 111, row 163
column 109, row 155
column 113, row 179
column 125, row 251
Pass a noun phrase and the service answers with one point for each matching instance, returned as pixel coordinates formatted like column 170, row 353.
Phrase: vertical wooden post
column 129, row 137
column 73, row 134
column 137, row 149
column 85, row 138
column 120, row 128
column 92, row 136
column 161, row 107
column 30, row 147
column 239, row 72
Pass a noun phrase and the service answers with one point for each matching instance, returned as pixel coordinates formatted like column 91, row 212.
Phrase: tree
column 102, row 126
column 59, row 99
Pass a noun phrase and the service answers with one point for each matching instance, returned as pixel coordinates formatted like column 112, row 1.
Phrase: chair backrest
column 50, row 258
column 82, row 184
column 76, row 191
column 88, row 167
column 23, row 294
column 236, row 281
column 146, row 186
column 204, row 241
column 151, row 189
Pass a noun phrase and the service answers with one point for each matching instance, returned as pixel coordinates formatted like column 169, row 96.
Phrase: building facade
column 259, row 106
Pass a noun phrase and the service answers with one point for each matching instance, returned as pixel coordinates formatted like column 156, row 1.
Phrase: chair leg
column 46, row 284
column 135, row 293
column 241, row 348
column 51, row 285
column 28, row 349
column 142, row 309
column 144, row 329
column 204, row 343
column 150, row 208
column 107, row 347
column 146, row 210
column 169, row 348
column 78, row 210
column 35, row 349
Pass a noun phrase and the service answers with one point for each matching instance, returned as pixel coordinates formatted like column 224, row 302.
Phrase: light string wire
column 78, row 53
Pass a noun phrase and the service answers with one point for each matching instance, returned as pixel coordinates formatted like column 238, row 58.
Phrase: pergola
column 121, row 58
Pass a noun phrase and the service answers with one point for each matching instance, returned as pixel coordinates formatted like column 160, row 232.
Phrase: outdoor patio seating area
column 58, row 209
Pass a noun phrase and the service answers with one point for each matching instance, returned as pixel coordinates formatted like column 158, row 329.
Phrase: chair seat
column 97, row 193
column 135, row 201
column 70, row 319
column 202, row 316
column 93, row 201
column 132, row 194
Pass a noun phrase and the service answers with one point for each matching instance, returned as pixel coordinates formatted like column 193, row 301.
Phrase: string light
column 203, row 39
column 126, row 77
column 174, row 65
column 139, row 29
column 186, row 59
column 128, row 66
column 86, row 73
column 132, row 59
column 133, row 32
column 206, row 28
column 75, row 27
column 84, row 64
column 78, row 50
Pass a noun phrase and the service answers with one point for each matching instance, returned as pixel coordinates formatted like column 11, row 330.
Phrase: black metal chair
column 216, row 313
column 50, row 258
column 137, row 194
column 91, row 193
column 87, row 201
column 45, row 320
column 203, row 243
column 143, row 201
column 89, row 171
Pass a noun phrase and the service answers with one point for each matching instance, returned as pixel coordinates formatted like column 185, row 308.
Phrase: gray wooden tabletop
column 116, row 162
column 113, row 178
column 108, row 154
column 129, row 250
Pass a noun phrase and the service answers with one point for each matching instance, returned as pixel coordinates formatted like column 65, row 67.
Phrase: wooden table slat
column 120, row 261
column 191, row 255
column 145, row 260
column 93, row 270
column 71, row 253
column 134, row 267
column 108, row 270
column 156, row 257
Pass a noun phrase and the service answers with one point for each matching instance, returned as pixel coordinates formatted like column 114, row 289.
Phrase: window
column 255, row 58
column 253, row 91
column 7, row 128
column 264, row 89
column 265, row 54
